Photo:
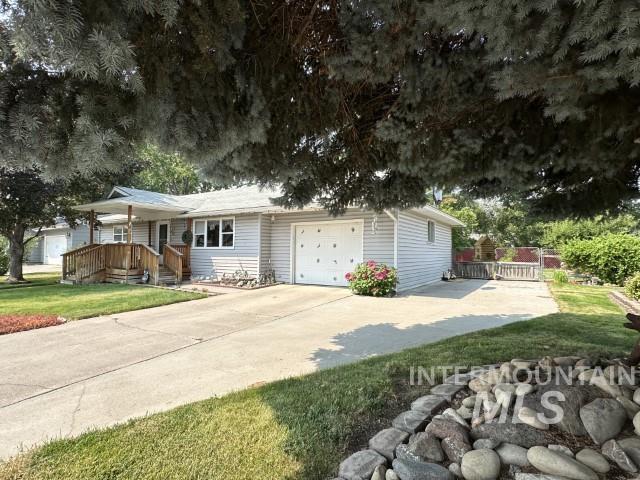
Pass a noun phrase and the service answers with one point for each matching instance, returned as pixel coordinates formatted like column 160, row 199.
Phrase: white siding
column 421, row 262
column 265, row 243
column 244, row 256
column 177, row 228
column 140, row 233
column 79, row 236
column 378, row 244
column 36, row 245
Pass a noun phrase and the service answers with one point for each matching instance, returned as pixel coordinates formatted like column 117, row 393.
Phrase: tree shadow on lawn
column 334, row 412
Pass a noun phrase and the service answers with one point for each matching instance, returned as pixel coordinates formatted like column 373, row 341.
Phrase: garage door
column 325, row 252
column 54, row 247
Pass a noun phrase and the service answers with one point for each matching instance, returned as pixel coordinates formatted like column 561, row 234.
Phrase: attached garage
column 54, row 247
column 325, row 252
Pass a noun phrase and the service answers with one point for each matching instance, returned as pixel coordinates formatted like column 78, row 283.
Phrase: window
column 431, row 231
column 120, row 234
column 214, row 233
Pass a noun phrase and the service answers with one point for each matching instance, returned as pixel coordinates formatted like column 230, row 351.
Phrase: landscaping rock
column 513, row 471
column 480, row 385
column 631, row 447
column 629, row 406
column 385, row 441
column 379, row 473
column 511, row 454
column 465, row 412
column 360, row 465
column 536, row 476
column 585, row 362
column 603, row 419
column 391, row 475
column 554, row 463
column 489, row 443
column 481, row 464
column 575, row 396
column 524, row 389
column 636, row 423
column 614, row 452
column 408, row 470
column 529, row 417
column 455, row 469
column 560, row 448
column 446, row 390
column 516, row 433
column 451, row 414
column 565, row 361
column 403, row 453
column 469, row 402
column 426, row 447
column 443, row 428
column 504, row 393
column 636, row 396
column 454, row 448
column 521, row 364
column 459, row 379
column 410, row 421
column 606, row 386
column 429, row 404
column 594, row 460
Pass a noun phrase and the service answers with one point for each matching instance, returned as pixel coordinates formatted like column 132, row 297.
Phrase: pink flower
column 381, row 275
column 348, row 277
column 371, row 264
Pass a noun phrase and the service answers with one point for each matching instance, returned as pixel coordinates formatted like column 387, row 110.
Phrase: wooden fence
column 500, row 270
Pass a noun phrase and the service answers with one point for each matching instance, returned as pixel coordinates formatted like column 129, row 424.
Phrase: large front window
column 214, row 233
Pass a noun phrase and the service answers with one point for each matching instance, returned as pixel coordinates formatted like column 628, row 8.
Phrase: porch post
column 92, row 216
column 129, row 225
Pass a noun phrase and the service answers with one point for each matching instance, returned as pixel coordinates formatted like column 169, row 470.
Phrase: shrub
column 613, row 258
column 560, row 276
column 373, row 279
column 632, row 287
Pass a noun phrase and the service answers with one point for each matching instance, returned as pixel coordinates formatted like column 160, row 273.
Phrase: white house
column 240, row 229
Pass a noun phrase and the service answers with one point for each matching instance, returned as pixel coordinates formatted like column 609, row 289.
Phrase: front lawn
column 82, row 301
column 301, row 428
column 44, row 278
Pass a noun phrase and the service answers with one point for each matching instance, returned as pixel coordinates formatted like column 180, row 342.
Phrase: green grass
column 82, row 301
column 301, row 428
column 49, row 278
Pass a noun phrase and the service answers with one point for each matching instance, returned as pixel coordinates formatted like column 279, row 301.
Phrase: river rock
column 554, row 463
column 489, row 443
column 465, row 412
column 629, row 406
column 636, row 423
column 455, row 469
column 594, row 460
column 408, row 470
column 391, row 475
column 511, row 454
column 614, row 452
column 459, row 379
column 455, row 448
column 516, row 433
column 522, row 364
column 636, row 396
column 410, row 421
column 443, row 428
column 524, row 389
column 575, row 396
column 429, row 404
column 360, row 465
column 380, row 473
column 469, row 402
column 565, row 361
column 603, row 419
column 479, row 385
column 481, row 464
column 530, row 417
column 385, row 441
column 537, row 476
column 631, row 447
column 426, row 447
column 604, row 384
column 446, row 390
column 451, row 414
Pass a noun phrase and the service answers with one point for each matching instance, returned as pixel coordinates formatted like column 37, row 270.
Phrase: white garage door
column 54, row 247
column 325, row 252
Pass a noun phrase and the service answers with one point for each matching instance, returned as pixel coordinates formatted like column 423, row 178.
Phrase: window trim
column 124, row 233
column 206, row 230
column 431, row 225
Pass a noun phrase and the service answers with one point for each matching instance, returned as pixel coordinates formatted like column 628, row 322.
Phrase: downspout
column 395, row 235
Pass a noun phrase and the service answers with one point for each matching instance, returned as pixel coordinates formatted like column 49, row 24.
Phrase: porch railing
column 185, row 251
column 173, row 261
column 90, row 260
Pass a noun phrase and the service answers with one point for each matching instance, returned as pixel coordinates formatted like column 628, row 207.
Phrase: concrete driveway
column 61, row 381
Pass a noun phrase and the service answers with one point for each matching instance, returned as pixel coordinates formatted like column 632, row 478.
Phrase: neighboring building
column 485, row 250
column 240, row 229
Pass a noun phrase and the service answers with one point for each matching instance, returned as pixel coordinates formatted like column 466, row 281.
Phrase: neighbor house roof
column 229, row 201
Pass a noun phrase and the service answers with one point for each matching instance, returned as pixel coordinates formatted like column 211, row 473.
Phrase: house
column 239, row 229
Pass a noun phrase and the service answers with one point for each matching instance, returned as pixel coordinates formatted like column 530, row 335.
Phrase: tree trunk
column 16, row 254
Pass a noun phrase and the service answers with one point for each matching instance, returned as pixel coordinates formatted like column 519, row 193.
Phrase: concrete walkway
column 61, row 381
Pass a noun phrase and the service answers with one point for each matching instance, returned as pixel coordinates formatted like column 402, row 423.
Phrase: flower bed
column 19, row 323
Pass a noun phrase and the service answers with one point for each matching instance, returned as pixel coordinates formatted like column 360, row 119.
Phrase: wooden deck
column 126, row 263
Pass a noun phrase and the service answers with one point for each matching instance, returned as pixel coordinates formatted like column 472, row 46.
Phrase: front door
column 163, row 237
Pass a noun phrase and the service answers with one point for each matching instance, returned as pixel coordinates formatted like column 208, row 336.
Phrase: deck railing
column 87, row 261
column 173, row 261
column 185, row 251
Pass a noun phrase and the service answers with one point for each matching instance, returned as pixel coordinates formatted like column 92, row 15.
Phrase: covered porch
column 121, row 258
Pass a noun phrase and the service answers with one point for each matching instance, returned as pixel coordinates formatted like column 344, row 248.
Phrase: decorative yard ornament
column 187, row 237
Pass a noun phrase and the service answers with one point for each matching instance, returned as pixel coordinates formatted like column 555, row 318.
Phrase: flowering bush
column 373, row 279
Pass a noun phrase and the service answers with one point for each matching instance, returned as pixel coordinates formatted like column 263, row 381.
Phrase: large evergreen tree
column 353, row 102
